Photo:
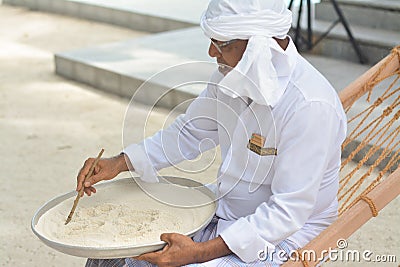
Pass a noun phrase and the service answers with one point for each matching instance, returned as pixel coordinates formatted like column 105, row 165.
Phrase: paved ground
column 48, row 125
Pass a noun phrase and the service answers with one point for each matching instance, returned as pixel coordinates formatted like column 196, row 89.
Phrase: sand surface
column 49, row 125
column 123, row 215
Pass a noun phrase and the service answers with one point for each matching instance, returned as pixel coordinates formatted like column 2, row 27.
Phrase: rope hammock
column 370, row 172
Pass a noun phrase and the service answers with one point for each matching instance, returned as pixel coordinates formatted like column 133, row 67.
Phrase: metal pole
column 309, row 30
column 290, row 4
column 346, row 26
column 298, row 27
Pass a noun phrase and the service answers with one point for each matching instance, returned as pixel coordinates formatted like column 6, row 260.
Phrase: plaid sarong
column 208, row 233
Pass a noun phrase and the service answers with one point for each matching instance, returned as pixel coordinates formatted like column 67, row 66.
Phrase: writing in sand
column 122, row 215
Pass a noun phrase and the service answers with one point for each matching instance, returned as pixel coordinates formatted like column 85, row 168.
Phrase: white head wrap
column 256, row 21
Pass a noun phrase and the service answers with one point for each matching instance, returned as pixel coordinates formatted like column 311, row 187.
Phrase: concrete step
column 374, row 43
column 142, row 15
column 122, row 67
column 383, row 14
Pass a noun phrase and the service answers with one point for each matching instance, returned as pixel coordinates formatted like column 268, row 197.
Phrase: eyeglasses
column 221, row 45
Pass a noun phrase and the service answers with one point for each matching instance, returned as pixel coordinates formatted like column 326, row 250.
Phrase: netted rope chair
column 372, row 148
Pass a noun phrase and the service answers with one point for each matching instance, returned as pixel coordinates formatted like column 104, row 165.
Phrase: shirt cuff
column 141, row 163
column 244, row 241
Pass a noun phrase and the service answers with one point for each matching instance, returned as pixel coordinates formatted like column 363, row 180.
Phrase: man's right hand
column 106, row 169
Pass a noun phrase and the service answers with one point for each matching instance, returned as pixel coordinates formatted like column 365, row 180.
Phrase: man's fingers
column 90, row 190
column 165, row 248
column 150, row 257
column 87, row 191
column 93, row 179
column 83, row 172
column 80, row 179
column 166, row 237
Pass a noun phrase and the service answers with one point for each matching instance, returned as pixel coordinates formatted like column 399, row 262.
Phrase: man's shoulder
column 311, row 85
column 307, row 87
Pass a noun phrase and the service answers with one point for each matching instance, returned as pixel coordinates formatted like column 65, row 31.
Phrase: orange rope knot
column 397, row 115
column 368, row 86
column 396, row 50
column 387, row 111
column 371, row 205
column 378, row 101
column 300, row 256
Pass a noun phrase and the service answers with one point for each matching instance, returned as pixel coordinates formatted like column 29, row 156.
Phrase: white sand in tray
column 122, row 215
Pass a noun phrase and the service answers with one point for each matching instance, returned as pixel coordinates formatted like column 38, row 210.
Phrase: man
column 279, row 124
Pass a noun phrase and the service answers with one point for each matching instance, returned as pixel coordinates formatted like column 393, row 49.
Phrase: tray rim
column 118, row 252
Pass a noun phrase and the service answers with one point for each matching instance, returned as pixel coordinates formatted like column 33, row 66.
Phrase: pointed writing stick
column 80, row 193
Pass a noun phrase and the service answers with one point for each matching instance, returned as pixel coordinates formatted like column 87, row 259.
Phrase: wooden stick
column 80, row 193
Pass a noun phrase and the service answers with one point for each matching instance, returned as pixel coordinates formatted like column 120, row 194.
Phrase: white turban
column 256, row 21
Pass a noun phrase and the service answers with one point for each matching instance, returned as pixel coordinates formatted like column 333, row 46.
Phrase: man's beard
column 224, row 69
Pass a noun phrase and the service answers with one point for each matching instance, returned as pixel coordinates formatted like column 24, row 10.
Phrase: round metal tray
column 123, row 251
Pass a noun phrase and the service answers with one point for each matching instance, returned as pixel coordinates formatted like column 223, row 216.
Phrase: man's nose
column 213, row 51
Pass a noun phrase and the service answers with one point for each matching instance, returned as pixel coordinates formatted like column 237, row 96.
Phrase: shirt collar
column 284, row 61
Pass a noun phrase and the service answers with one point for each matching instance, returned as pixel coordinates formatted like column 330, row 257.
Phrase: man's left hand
column 180, row 250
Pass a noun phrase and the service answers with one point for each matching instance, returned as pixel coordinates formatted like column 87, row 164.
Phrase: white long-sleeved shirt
column 262, row 199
